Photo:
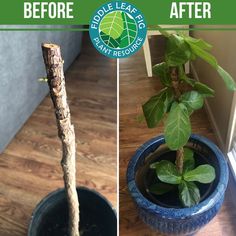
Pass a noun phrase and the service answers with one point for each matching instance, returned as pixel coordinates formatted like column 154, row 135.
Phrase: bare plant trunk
column 180, row 160
column 56, row 81
column 175, row 84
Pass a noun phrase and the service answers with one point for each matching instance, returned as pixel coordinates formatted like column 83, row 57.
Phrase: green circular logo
column 118, row 29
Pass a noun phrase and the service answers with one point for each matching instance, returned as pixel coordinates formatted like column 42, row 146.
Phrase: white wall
column 224, row 49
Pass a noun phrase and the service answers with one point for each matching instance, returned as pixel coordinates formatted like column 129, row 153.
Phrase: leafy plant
column 169, row 175
column 175, row 106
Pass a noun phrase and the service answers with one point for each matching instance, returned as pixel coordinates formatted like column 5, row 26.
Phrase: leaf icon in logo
column 109, row 41
column 118, row 29
column 112, row 24
column 130, row 31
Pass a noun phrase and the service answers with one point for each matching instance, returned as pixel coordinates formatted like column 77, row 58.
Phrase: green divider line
column 43, row 29
column 86, row 29
column 192, row 29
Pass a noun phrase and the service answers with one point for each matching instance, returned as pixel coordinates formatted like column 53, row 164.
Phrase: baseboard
column 210, row 114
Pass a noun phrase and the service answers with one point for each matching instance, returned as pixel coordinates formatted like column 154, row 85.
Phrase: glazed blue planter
column 179, row 221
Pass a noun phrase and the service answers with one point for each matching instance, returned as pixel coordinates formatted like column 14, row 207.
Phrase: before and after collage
column 137, row 146
column 117, row 118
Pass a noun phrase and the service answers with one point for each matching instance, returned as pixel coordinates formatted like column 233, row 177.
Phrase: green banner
column 77, row 12
column 159, row 11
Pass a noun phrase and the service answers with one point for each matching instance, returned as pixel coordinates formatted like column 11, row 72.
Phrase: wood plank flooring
column 135, row 89
column 30, row 166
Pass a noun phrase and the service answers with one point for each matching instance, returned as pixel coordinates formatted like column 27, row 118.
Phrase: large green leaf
column 189, row 161
column 156, row 106
column 177, row 127
column 167, row 172
column 198, row 42
column 112, row 24
column 130, row 31
column 160, row 188
column 189, row 194
column 203, row 89
column 200, row 52
column 177, row 51
column 204, row 174
column 162, row 71
column 199, row 48
column 192, row 100
column 109, row 41
column 229, row 81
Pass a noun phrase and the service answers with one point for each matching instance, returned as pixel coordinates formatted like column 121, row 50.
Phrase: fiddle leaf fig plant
column 174, row 105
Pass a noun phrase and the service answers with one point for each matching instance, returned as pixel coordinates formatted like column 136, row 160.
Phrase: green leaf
column 188, row 154
column 154, row 165
column 199, row 48
column 203, row 89
column 156, row 106
column 160, row 188
column 177, row 51
column 192, row 100
column 189, row 162
column 162, row 31
column 162, row 71
column 198, row 42
column 229, row 81
column 167, row 172
column 188, row 80
column 130, row 31
column 182, row 75
column 177, row 127
column 185, row 78
column 189, row 194
column 206, row 56
column 182, row 33
column 109, row 41
column 43, row 79
column 204, row 174
column 112, row 24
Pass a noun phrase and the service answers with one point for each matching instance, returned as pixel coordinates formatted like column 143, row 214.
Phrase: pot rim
column 40, row 206
column 173, row 213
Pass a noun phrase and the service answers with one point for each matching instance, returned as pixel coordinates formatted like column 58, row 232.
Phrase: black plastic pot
column 97, row 217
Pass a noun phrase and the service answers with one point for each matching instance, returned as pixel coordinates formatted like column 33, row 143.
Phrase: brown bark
column 180, row 160
column 175, row 84
column 175, row 81
column 56, row 81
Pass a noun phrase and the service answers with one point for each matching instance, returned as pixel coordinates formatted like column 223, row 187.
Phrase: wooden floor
column 30, row 166
column 135, row 89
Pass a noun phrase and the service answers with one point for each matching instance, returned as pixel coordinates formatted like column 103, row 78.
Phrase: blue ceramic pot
column 178, row 221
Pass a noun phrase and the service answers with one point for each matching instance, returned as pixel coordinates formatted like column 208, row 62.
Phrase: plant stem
column 180, row 160
column 175, row 84
column 56, row 81
column 175, row 81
